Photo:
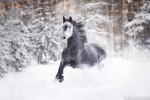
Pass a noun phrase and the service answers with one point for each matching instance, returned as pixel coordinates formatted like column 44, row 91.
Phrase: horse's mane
column 82, row 33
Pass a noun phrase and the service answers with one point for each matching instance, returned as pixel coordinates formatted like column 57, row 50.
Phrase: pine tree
column 18, row 38
column 5, row 59
column 41, row 26
column 139, row 27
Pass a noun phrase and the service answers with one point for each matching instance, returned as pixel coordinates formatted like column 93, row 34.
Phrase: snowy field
column 116, row 80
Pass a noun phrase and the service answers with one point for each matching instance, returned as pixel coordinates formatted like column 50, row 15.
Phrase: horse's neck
column 74, row 41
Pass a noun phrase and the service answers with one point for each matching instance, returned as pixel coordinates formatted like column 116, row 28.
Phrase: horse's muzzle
column 63, row 37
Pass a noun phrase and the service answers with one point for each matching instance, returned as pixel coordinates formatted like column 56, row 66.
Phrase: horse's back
column 92, row 54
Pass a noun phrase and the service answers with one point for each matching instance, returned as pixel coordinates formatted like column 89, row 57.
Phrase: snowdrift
column 117, row 79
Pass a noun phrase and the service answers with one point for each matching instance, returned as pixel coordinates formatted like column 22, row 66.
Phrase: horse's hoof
column 60, row 79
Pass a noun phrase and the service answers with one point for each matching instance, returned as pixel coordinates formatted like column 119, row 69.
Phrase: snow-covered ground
column 116, row 80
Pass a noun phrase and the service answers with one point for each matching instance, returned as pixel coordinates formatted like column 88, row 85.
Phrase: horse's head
column 67, row 28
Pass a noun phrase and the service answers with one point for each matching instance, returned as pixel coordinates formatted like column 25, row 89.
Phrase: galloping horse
column 77, row 53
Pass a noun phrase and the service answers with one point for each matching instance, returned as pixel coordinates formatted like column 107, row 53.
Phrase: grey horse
column 77, row 53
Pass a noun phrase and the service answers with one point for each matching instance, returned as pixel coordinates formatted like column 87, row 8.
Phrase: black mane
column 82, row 33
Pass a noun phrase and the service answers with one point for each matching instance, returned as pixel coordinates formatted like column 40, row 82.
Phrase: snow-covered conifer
column 139, row 27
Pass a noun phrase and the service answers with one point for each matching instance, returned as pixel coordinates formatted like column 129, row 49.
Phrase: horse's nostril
column 64, row 37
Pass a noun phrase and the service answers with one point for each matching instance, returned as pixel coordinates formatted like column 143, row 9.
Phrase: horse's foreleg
column 60, row 72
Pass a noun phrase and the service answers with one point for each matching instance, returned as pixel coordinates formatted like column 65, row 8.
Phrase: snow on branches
column 139, row 27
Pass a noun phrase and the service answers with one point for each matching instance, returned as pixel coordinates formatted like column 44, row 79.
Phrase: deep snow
column 116, row 80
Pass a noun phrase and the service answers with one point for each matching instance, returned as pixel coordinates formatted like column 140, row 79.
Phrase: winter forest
column 30, row 33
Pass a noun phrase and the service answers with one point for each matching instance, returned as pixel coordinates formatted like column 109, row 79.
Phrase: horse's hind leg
column 60, row 72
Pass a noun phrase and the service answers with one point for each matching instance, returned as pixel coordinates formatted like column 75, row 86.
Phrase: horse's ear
column 64, row 19
column 70, row 19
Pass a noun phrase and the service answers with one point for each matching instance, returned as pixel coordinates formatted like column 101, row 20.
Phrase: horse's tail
column 102, row 53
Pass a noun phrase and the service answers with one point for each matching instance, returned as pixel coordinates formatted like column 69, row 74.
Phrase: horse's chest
column 70, row 56
column 66, row 54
